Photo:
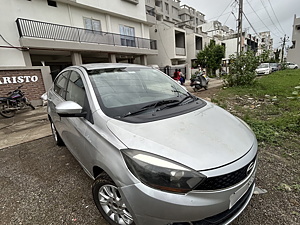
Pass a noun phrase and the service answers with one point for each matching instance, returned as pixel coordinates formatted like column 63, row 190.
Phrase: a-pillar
column 76, row 58
column 112, row 58
column 143, row 59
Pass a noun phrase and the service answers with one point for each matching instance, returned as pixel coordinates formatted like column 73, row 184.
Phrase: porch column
column 76, row 58
column 143, row 59
column 27, row 59
column 112, row 58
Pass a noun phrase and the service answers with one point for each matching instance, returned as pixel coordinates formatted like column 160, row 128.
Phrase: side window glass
column 60, row 84
column 75, row 89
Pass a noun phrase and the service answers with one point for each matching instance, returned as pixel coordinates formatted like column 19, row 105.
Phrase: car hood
column 206, row 138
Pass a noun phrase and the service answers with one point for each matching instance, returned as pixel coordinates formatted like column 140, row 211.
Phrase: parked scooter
column 201, row 81
column 15, row 101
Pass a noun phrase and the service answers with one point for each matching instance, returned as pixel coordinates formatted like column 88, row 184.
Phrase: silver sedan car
column 158, row 154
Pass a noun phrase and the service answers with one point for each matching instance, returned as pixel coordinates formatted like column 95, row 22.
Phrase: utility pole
column 240, row 29
column 283, row 45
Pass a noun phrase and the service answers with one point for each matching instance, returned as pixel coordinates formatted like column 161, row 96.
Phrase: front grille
column 223, row 216
column 226, row 180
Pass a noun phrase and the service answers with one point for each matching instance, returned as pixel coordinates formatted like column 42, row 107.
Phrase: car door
column 57, row 95
column 75, row 127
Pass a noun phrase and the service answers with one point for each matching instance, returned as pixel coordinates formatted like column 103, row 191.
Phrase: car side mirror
column 69, row 109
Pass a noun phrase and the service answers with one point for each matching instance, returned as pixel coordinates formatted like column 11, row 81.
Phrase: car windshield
column 263, row 65
column 127, row 91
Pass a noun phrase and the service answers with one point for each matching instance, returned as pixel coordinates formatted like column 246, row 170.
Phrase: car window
column 60, row 84
column 75, row 89
column 76, row 93
column 140, row 91
column 122, row 88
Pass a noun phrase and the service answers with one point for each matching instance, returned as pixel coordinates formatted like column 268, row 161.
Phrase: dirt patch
column 207, row 94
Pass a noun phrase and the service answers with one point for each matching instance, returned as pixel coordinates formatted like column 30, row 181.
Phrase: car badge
column 250, row 167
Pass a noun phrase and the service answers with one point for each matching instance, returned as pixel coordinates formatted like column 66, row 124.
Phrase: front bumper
column 153, row 207
column 265, row 72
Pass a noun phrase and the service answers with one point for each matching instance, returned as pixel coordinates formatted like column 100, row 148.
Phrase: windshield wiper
column 189, row 95
column 152, row 105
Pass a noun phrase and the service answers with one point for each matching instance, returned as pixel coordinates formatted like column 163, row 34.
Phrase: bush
column 242, row 69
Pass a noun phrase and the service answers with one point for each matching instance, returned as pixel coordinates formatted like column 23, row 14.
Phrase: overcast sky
column 276, row 16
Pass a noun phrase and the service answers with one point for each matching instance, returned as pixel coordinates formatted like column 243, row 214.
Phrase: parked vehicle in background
column 291, row 65
column 275, row 67
column 157, row 154
column 16, row 100
column 263, row 69
column 201, row 81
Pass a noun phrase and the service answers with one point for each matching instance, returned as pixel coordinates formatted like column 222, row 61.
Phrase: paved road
column 43, row 184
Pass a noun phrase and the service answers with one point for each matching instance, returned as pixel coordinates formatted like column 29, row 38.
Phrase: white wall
column 119, row 7
column 165, row 36
column 294, row 54
column 111, row 13
column 231, row 47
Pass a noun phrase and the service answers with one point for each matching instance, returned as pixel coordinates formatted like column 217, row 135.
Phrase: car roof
column 95, row 66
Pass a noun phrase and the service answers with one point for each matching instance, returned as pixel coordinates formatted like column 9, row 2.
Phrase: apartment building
column 177, row 34
column 216, row 29
column 224, row 35
column 265, row 43
column 44, row 36
column 294, row 52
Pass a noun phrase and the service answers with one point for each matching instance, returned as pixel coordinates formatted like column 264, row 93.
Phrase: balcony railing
column 38, row 29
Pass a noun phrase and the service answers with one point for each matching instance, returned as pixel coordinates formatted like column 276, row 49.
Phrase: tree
column 265, row 56
column 211, row 57
column 242, row 69
column 277, row 55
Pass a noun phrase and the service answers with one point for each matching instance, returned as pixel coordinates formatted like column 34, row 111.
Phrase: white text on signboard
column 18, row 79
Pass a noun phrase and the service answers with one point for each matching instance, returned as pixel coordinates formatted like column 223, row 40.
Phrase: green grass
column 276, row 119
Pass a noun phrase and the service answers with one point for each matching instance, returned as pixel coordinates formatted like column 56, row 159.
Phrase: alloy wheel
column 113, row 205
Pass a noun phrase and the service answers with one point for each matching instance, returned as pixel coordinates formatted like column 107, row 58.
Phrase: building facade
column 56, row 34
column 294, row 52
column 266, row 43
column 178, row 37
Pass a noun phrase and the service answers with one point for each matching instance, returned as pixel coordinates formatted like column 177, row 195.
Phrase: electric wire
column 261, row 19
column 276, row 16
column 252, row 26
column 9, row 43
column 270, row 17
column 230, row 3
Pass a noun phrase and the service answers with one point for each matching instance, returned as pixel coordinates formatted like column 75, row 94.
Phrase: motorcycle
column 201, row 81
column 16, row 100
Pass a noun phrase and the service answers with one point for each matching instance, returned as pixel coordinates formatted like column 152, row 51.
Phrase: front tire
column 109, row 201
column 6, row 113
column 31, row 106
column 56, row 135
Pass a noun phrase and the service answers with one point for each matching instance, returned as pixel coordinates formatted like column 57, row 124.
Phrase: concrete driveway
column 26, row 125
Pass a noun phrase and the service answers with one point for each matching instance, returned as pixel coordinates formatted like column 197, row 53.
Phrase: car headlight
column 161, row 173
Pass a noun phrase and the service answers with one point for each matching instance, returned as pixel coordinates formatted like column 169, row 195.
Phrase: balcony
column 150, row 15
column 43, row 30
column 180, row 51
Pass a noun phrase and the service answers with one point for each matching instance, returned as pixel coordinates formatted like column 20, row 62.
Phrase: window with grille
column 92, row 24
column 127, row 36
